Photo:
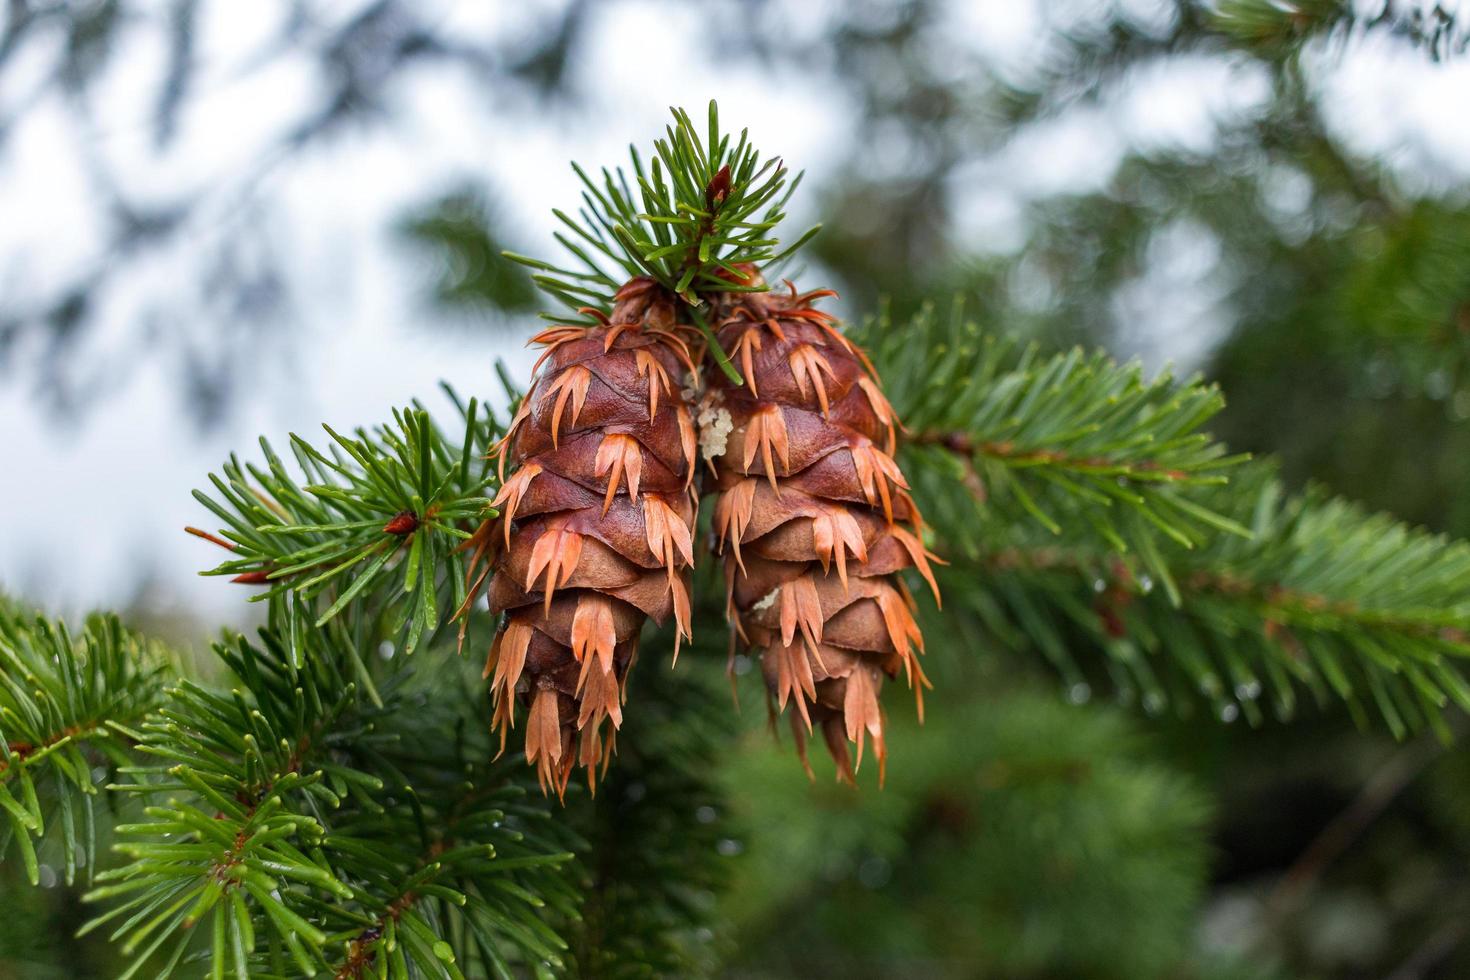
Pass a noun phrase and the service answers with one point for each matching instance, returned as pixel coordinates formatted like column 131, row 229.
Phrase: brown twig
column 963, row 444
column 1381, row 789
column 1280, row 605
column 362, row 948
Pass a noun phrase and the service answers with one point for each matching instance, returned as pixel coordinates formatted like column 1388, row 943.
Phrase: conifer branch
column 67, row 705
column 339, row 809
column 1089, row 504
column 1323, row 597
column 1083, row 446
column 1278, row 30
column 382, row 516
column 294, row 826
column 701, row 207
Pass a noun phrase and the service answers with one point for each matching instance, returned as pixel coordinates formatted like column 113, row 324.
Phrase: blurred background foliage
column 1025, row 831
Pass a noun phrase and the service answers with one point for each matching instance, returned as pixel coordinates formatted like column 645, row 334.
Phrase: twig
column 1381, row 789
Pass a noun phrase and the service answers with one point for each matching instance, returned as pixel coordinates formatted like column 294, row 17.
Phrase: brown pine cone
column 595, row 530
column 813, row 518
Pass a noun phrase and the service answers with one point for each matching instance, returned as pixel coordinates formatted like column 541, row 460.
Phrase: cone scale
column 813, row 519
column 594, row 536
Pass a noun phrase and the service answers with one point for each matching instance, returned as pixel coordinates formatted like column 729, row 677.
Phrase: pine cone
column 814, row 519
column 597, row 525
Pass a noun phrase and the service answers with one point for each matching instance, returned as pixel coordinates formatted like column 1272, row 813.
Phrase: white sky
column 92, row 509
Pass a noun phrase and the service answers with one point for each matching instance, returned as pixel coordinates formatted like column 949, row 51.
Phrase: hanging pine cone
column 813, row 518
column 595, row 528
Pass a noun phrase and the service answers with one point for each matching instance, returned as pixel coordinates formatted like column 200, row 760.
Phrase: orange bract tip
column 833, row 735
column 860, row 713
column 502, row 448
column 903, row 632
column 593, row 633
column 556, row 552
column 765, row 433
column 921, row 558
column 677, row 346
column 613, row 333
column 794, row 679
column 666, row 533
column 544, row 728
column 801, row 607
column 544, row 746
column 617, row 455
column 599, row 693
column 507, row 659
column 882, row 410
column 835, row 533
column 511, row 493
column 745, row 347
column 572, row 384
column 875, row 471
column 552, row 338
column 807, row 367
column 688, row 443
column 649, row 367
column 732, row 515
column 682, row 614
column 798, row 735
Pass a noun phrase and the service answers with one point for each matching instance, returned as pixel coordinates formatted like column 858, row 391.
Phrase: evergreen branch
column 461, row 851
column 1004, row 779
column 284, row 823
column 1071, row 441
column 1278, row 30
column 459, row 231
column 455, row 884
column 701, row 207
column 66, row 704
column 964, row 445
column 1089, row 503
column 1323, row 596
column 380, row 521
column 237, row 812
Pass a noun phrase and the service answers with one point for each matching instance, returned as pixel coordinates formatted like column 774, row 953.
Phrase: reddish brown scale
column 595, row 529
column 814, row 520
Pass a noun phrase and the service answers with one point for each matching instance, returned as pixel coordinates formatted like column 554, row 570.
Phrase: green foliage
column 458, row 231
column 701, row 207
column 67, row 704
column 1016, row 836
column 1071, row 441
column 1351, row 605
column 1190, row 586
column 1278, row 30
column 338, row 807
column 339, row 811
column 293, row 826
column 396, row 503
